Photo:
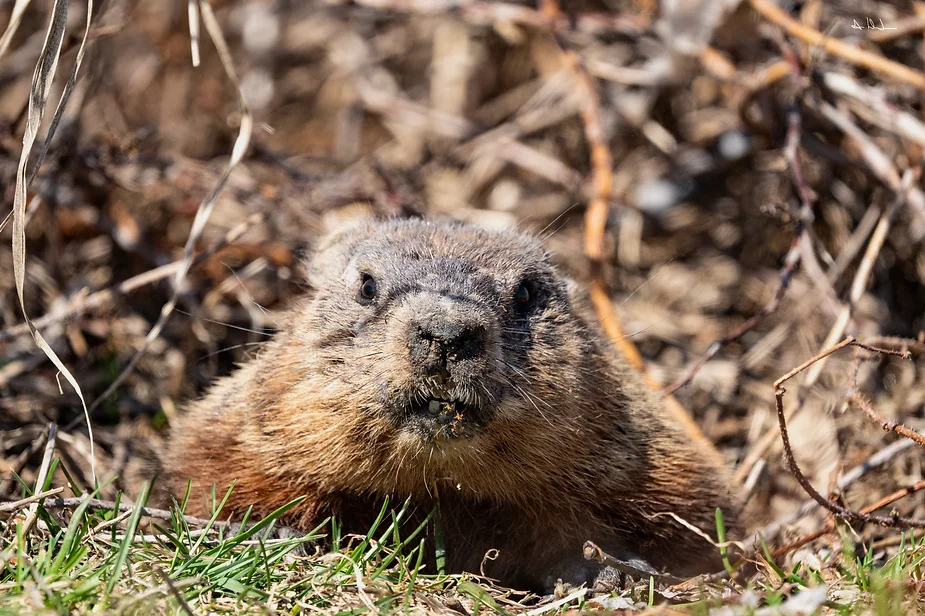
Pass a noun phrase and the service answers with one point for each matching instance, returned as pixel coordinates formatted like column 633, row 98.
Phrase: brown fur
column 569, row 444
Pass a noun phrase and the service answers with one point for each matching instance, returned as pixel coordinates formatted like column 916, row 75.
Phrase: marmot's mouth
column 439, row 408
column 448, row 418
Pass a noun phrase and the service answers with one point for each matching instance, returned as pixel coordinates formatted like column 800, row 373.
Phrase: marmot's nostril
column 438, row 343
column 468, row 343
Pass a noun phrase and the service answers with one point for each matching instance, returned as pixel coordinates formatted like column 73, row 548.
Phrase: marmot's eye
column 525, row 294
column 368, row 290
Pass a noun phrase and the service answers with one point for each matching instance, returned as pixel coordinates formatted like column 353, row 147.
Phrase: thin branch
column 81, row 303
column 148, row 512
column 838, row 510
column 829, row 526
column 32, row 515
column 596, row 216
column 856, row 398
column 877, row 460
column 885, row 114
column 800, row 250
column 875, row 159
column 636, row 568
column 838, row 329
column 16, row 505
column 777, row 16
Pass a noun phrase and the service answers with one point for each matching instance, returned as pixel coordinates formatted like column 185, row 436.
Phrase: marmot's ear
column 335, row 222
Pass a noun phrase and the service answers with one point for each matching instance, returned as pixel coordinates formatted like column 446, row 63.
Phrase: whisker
column 229, row 348
column 524, row 394
column 541, row 235
column 648, row 280
column 263, row 332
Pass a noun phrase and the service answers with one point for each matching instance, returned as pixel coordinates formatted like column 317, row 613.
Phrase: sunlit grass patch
column 86, row 557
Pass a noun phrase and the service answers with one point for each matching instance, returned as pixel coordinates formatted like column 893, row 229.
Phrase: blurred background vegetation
column 754, row 165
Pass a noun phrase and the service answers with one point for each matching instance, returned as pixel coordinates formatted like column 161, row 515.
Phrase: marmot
column 455, row 366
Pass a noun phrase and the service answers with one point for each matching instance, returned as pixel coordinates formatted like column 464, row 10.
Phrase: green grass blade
column 128, row 541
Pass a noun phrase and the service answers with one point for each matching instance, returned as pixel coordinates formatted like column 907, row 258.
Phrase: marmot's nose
column 437, row 343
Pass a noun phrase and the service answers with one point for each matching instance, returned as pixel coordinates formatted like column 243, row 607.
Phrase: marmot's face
column 440, row 330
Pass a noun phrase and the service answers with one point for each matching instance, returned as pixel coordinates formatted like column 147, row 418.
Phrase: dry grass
column 745, row 183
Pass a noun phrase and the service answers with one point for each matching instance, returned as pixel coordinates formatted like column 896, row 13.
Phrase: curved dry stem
column 42, row 80
column 207, row 205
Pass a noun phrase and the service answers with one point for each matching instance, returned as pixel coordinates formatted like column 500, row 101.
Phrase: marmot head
column 444, row 331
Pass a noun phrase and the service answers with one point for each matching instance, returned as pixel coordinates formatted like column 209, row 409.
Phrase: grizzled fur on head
column 436, row 280
column 455, row 366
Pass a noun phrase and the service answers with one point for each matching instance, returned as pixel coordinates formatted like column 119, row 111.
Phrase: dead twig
column 882, row 112
column 800, row 250
column 878, row 162
column 895, row 496
column 768, row 533
column 829, row 527
column 848, row 515
column 32, row 515
column 23, row 458
column 858, row 286
column 637, row 568
column 95, row 504
column 877, row 460
column 856, row 398
column 777, row 16
column 81, row 303
column 805, row 213
column 595, row 225
column 16, row 505
column 207, row 205
column 862, row 277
